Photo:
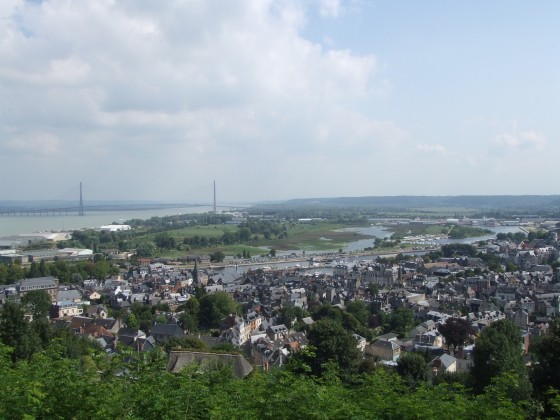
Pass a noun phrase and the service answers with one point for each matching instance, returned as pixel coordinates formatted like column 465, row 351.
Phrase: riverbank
column 15, row 225
column 312, row 261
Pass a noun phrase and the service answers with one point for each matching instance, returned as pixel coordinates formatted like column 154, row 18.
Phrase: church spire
column 195, row 272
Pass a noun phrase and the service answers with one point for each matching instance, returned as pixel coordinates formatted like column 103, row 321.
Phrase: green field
column 320, row 236
column 308, row 237
column 212, row 231
column 436, row 230
column 230, row 250
column 316, row 237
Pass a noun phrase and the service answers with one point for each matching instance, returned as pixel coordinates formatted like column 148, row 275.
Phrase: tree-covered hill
column 53, row 386
column 479, row 202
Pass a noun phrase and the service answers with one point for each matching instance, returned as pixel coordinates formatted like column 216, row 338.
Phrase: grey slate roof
column 447, row 360
column 71, row 294
column 385, row 344
column 179, row 359
column 38, row 283
column 170, row 330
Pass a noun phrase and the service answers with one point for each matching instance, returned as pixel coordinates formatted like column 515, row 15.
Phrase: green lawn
column 230, row 250
column 212, row 231
column 437, row 230
column 317, row 237
column 237, row 249
column 410, row 230
column 309, row 237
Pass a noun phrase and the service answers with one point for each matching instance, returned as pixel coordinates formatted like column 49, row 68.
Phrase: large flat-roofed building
column 7, row 246
column 13, row 258
column 37, row 255
column 25, row 239
column 114, row 228
column 48, row 284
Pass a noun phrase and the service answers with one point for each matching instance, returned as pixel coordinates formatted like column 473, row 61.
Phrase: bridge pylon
column 81, row 210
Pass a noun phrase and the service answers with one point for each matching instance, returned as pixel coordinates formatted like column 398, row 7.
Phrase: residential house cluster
column 461, row 286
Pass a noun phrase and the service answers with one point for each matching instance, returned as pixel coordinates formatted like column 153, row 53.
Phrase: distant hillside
column 489, row 202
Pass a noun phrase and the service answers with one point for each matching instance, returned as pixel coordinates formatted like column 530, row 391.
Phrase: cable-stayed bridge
column 66, row 210
column 79, row 207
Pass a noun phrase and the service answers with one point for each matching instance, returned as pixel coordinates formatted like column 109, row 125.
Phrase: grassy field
column 231, row 250
column 309, row 237
column 213, row 231
column 317, row 237
column 300, row 236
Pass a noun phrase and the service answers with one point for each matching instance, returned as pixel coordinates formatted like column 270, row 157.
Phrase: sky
column 278, row 99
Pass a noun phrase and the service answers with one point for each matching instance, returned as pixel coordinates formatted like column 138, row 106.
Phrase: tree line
column 46, row 368
column 51, row 385
column 67, row 272
column 68, row 378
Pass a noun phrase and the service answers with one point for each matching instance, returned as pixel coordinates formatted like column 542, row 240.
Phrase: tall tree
column 217, row 256
column 359, row 309
column 15, row 273
column 332, row 343
column 456, row 331
column 3, row 274
column 214, row 307
column 498, row 350
column 33, row 271
column 401, row 321
column 16, row 332
column 132, row 321
column 145, row 249
column 43, row 268
column 12, row 324
column 143, row 315
column 546, row 361
column 165, row 241
column 287, row 316
column 188, row 322
column 413, row 368
column 37, row 302
column 101, row 269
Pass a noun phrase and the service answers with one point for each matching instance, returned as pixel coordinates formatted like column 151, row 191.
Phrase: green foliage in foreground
column 53, row 386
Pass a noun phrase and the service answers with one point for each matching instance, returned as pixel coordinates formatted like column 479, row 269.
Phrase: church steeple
column 195, row 273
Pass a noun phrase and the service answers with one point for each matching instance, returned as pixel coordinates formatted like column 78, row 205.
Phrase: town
column 279, row 209
column 421, row 312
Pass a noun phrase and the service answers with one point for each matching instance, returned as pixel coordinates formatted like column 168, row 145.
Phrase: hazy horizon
column 311, row 197
column 548, row 201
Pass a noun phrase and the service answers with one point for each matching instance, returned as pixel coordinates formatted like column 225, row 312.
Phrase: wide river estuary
column 14, row 225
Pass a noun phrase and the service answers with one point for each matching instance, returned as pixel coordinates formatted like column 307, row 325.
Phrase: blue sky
column 278, row 99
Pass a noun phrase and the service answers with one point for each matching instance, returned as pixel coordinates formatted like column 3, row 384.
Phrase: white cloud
column 272, row 98
column 181, row 90
column 436, row 149
column 330, row 8
column 42, row 144
column 338, row 8
column 523, row 141
column 8, row 8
